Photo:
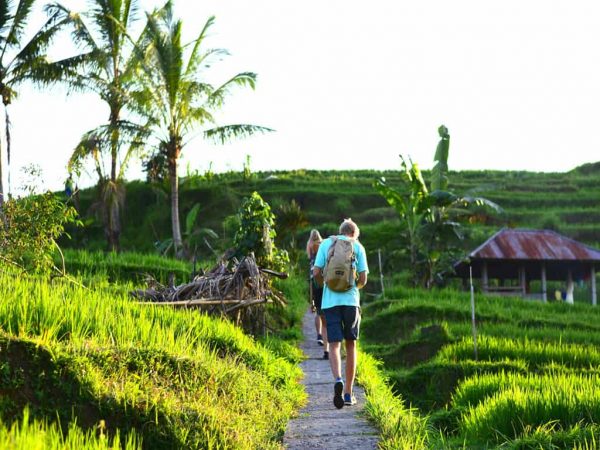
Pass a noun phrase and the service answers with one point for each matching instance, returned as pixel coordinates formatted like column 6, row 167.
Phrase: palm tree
column 105, row 68
column 20, row 60
column 176, row 98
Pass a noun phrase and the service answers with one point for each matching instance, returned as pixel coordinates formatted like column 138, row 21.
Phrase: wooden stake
column 381, row 273
column 473, row 313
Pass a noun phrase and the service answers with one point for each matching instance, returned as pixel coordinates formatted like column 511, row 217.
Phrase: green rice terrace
column 533, row 383
column 565, row 202
column 84, row 365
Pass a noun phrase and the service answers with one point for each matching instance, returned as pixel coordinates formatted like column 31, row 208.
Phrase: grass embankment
column 534, row 384
column 78, row 363
column 109, row 268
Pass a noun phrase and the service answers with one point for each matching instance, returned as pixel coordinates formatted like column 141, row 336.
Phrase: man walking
column 341, row 265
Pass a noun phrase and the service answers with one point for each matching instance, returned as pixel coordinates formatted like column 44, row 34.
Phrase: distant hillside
column 568, row 202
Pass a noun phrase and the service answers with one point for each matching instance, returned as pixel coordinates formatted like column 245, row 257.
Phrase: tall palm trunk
column 1, row 183
column 174, row 151
column 1, row 171
column 112, row 200
column 112, row 220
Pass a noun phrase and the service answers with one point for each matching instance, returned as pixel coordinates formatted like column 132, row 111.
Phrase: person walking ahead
column 341, row 266
column 316, row 292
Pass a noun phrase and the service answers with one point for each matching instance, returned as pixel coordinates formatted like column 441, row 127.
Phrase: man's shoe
column 338, row 389
column 320, row 340
column 349, row 399
column 325, row 355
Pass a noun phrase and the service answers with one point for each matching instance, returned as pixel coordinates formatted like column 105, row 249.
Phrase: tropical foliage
column 30, row 228
column 104, row 68
column 432, row 219
column 290, row 219
column 256, row 234
column 22, row 58
column 176, row 97
column 193, row 238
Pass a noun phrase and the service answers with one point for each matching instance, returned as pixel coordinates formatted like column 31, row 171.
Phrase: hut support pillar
column 544, row 291
column 570, row 287
column 593, row 280
column 523, row 280
column 484, row 276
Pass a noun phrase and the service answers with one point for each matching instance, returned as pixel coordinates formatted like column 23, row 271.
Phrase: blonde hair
column 349, row 228
column 315, row 237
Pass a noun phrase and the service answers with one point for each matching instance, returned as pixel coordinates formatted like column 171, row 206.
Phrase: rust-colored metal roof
column 534, row 245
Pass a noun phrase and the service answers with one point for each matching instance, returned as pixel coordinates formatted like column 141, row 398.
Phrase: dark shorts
column 343, row 322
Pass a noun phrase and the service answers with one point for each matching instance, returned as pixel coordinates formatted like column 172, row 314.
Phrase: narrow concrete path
column 320, row 425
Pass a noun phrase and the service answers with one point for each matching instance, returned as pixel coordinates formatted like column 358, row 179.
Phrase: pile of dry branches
column 221, row 289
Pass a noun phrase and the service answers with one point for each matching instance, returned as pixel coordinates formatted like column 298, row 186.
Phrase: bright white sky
column 350, row 85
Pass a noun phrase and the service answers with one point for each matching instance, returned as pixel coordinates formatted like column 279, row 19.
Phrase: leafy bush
column 256, row 234
column 31, row 225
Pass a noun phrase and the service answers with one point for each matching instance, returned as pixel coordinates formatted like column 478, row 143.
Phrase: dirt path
column 320, row 425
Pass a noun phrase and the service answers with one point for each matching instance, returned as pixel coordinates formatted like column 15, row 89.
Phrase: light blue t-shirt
column 351, row 297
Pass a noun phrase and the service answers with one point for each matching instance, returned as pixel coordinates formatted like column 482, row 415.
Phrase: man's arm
column 318, row 275
column 362, row 280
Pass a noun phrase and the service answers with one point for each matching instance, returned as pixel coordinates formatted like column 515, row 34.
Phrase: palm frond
column 203, row 61
column 80, row 33
column 196, row 58
column 194, row 116
column 137, row 141
column 88, row 147
column 241, row 79
column 43, row 72
column 95, row 143
column 19, row 21
column 4, row 18
column 228, row 132
column 32, row 52
column 130, row 12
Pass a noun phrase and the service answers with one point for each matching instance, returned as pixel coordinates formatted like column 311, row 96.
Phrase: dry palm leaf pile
column 222, row 289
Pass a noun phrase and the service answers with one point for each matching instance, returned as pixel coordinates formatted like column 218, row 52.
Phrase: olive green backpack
column 339, row 273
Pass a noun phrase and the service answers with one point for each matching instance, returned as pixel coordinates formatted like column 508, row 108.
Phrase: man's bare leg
column 335, row 359
column 350, row 365
column 324, row 328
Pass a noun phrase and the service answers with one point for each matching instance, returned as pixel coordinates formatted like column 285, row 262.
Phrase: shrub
column 256, row 234
column 31, row 225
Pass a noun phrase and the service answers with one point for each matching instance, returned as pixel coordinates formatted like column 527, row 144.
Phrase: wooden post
column 523, row 280
column 473, row 323
column 544, row 293
column 484, row 277
column 381, row 273
column 570, row 287
column 593, row 279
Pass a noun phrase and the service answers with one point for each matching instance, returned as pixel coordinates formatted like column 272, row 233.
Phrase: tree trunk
column 111, row 231
column 113, row 201
column 1, row 183
column 175, row 224
column 7, row 135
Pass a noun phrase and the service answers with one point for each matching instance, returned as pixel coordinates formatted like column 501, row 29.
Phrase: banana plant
column 432, row 220
column 192, row 236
